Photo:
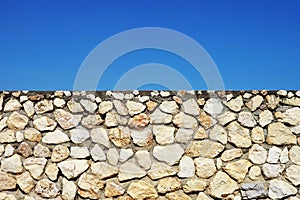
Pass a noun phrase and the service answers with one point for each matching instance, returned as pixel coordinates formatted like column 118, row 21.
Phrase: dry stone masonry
column 175, row 145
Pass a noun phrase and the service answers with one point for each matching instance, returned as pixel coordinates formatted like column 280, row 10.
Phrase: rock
column 160, row 170
column 294, row 101
column 103, row 170
column 9, row 150
column 235, row 104
column 25, row 182
column 186, row 167
column 91, row 186
column 7, row 182
column 254, row 172
column 60, row 153
column 97, row 153
column 79, row 152
column 29, row 108
column 111, row 119
column 158, row 117
column 218, row 133
column 194, row 185
column 272, row 101
column 59, row 103
column 274, row 154
column 105, row 106
column 291, row 116
column 231, row 154
column 68, row 189
column 41, row 151
column 179, row 194
column 142, row 190
column 43, row 106
column 99, row 135
column 203, row 196
column 279, row 189
column 52, row 171
column 238, row 135
column 183, row 120
column 46, row 188
column 12, row 105
column 226, row 117
column 143, row 159
column 44, row 124
column 139, row 121
column 284, row 156
column 135, row 107
column 7, row 136
column 3, row 123
column 32, row 135
column 222, row 185
column 79, row 135
column 88, row 105
column 130, row 170
column 55, row 137
column 112, row 189
column 73, row 168
column 151, row 105
column 265, row 118
column 254, row 102
column 12, row 164
column 257, row 135
column 238, row 169
column 279, row 134
column 201, row 134
column 168, row 184
column 25, row 150
column 120, row 136
column 35, row 166
column 65, row 119
column 163, row 134
column 257, row 154
column 292, row 174
column 74, row 106
column 294, row 154
column 125, row 154
column 19, row 136
column 205, row 167
column 246, row 119
column 191, row 107
column 204, row 148
column 170, row 154
column 169, row 107
column 272, row 170
column 213, row 106
column 112, row 156
column 142, row 137
column 254, row 190
column 16, row 121
column 206, row 121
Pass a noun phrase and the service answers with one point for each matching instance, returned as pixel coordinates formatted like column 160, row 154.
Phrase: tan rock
column 44, row 124
column 135, row 107
column 74, row 106
column 191, row 107
column 140, row 190
column 59, row 103
column 201, row 133
column 120, row 136
column 139, row 121
column 142, row 137
column 194, row 185
column 160, row 170
column 294, row 101
column 55, row 137
column 46, row 188
column 272, row 101
column 265, row 118
column 29, row 108
column 255, row 102
column 291, row 116
column 204, row 148
column 91, row 184
column 235, row 104
column 99, row 135
column 68, row 190
column 35, row 166
column 73, row 168
column 41, row 151
column 12, row 164
column 183, row 120
column 120, row 107
column 254, row 172
column 43, row 106
column 163, row 134
column 238, row 169
column 113, row 189
column 60, row 153
column 168, row 184
column 32, row 135
column 130, row 170
column 3, row 123
column 257, row 135
column 143, row 158
column 246, row 119
column 88, row 105
column 294, row 154
column 65, row 119
column 103, row 170
column 258, row 154
column 218, row 133
column 222, row 185
column 226, row 117
column 52, row 171
column 292, row 174
column 17, row 121
column 25, row 182
column 7, row 136
column 279, row 134
column 231, row 154
column 238, row 135
column 178, row 195
column 104, row 107
column 203, row 196
column 158, row 117
column 205, row 120
column 12, row 105
column 205, row 167
column 7, row 182
column 151, row 105
column 24, row 149
column 169, row 107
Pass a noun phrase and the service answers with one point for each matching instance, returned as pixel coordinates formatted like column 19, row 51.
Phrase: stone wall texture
column 125, row 145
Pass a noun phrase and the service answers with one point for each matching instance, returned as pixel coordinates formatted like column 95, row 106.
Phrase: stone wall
column 150, row 145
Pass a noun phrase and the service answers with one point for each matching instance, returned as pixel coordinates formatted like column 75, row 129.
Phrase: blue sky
column 255, row 44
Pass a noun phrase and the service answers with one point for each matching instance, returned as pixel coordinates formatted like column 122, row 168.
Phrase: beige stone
column 204, row 148
column 140, row 190
column 12, row 164
column 17, row 121
column 24, row 149
column 105, row 106
column 254, row 102
column 254, row 172
column 113, row 189
column 43, row 106
column 257, row 135
column 65, row 119
column 238, row 135
column 130, row 170
column 135, row 107
column 12, row 105
column 231, row 154
column 169, row 107
column 158, row 117
column 205, row 167
column 279, row 134
column 205, row 120
column 179, row 194
column 163, row 134
column 160, row 170
column 46, row 189
column 25, row 182
column 279, row 189
column 103, row 170
column 41, row 151
column 186, row 167
column 258, row 154
column 7, row 136
column 68, row 190
column 265, row 118
column 44, row 124
column 235, row 104
column 139, row 121
column 29, row 108
column 60, row 153
column 194, row 185
column 170, row 154
column 238, row 169
column 293, row 174
column 168, row 184
column 7, row 182
column 35, row 166
column 294, row 154
column 52, row 171
column 91, row 184
column 183, row 120
column 73, row 168
column 218, row 133
column 32, row 135
column 120, row 136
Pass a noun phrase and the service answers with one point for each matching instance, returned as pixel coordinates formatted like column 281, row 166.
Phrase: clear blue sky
column 255, row 44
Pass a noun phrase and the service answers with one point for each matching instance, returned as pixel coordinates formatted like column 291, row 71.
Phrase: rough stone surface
column 279, row 134
column 142, row 190
column 279, row 189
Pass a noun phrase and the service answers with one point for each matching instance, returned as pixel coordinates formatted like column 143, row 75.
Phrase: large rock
column 179, row 194
column 44, row 124
column 43, row 106
column 279, row 189
column 204, row 148
column 186, row 167
column 246, row 119
column 25, row 182
column 205, row 167
column 12, row 164
column 258, row 154
column 218, row 133
column 59, row 153
column 293, row 174
column 254, row 102
column 294, row 154
column 17, row 121
column 163, row 134
column 103, row 170
column 168, row 184
column 142, row 137
column 158, row 117
column 213, row 106
column 88, row 105
column 255, row 190
column 73, row 168
column 79, row 135
column 235, row 104
column 291, row 116
column 272, row 170
column 112, row 189
column 105, row 106
column 142, row 190
column 135, row 107
column 32, row 135
column 279, row 134
column 183, row 120
column 194, row 185
column 35, row 166
column 265, row 118
column 55, row 137
column 191, row 107
column 273, row 155
column 231, row 154
column 46, row 189
column 91, row 185
column 139, row 121
column 99, row 135
column 130, row 170
column 222, row 185
column 238, row 169
column 160, row 170
column 68, row 189
column 169, row 107
column 120, row 136
column 12, row 105
column 170, row 154
column 238, row 135
column 7, row 182
column 65, row 119
column 7, row 136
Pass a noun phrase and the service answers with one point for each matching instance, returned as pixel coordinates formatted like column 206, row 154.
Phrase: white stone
column 292, row 173
column 99, row 135
column 184, row 135
column 79, row 152
column 158, row 117
column 44, row 124
column 142, row 137
column 169, row 107
column 294, row 154
column 164, row 134
column 235, row 104
column 43, row 106
column 35, row 166
column 191, row 107
column 272, row 170
column 68, row 189
column 246, row 119
column 186, row 167
column 97, row 153
column 111, row 119
column 12, row 164
column 119, row 96
column 55, row 137
column 143, row 159
column 258, row 154
column 88, row 105
column 291, row 116
column 254, row 102
column 265, row 118
column 74, row 106
column 105, row 106
column 205, row 167
column 170, row 154
column 257, row 135
column 238, row 135
column 79, row 135
column 226, row 117
column 3, row 123
column 58, row 102
column 46, row 188
column 284, row 156
column 103, row 170
column 135, row 107
column 9, row 150
column 73, row 168
column 130, row 170
column 65, row 119
column 279, row 189
column 17, row 121
column 125, row 154
column 112, row 156
column 218, row 133
column 183, row 120
column 29, row 108
column 12, row 105
column 213, row 106
column 274, row 154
